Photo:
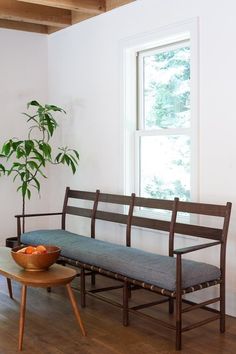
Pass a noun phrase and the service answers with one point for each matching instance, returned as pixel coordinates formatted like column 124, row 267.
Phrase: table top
column 56, row 275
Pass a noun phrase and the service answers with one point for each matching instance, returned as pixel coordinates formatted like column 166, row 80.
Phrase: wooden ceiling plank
column 112, row 4
column 23, row 26
column 79, row 16
column 32, row 13
column 53, row 29
column 94, row 7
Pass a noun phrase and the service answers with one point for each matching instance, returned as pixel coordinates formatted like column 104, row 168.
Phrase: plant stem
column 23, row 213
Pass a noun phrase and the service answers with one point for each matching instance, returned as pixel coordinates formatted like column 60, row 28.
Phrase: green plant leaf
column 67, row 159
column 22, row 176
column 39, row 157
column 76, row 153
column 74, row 159
column 2, row 168
column 15, row 177
column 42, row 174
column 29, row 145
column 18, row 165
column 57, row 158
column 46, row 149
column 6, row 147
column 50, row 126
column 37, row 184
column 33, row 165
column 28, row 193
column 15, row 144
column 73, row 167
column 24, row 188
column 33, row 103
column 20, row 152
column 51, row 107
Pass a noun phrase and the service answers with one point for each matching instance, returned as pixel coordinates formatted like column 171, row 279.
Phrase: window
column 163, row 135
column 160, row 80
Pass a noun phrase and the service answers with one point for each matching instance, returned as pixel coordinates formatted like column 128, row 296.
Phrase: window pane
column 165, row 167
column 166, row 96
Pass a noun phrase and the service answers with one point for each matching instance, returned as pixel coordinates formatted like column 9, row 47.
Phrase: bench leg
column 171, row 305
column 222, row 307
column 82, row 288
column 9, row 288
column 93, row 278
column 129, row 291
column 178, row 321
column 126, row 291
column 178, row 302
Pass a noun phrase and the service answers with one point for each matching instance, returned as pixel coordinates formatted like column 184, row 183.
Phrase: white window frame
column 187, row 30
column 140, row 130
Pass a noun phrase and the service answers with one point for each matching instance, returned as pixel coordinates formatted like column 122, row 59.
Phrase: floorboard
column 51, row 327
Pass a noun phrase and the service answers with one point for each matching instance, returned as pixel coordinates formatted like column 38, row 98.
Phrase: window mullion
column 158, row 132
column 140, row 92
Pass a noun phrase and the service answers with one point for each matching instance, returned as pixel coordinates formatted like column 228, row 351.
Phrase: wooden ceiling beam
column 53, row 29
column 79, row 16
column 112, row 4
column 44, row 15
column 48, row 16
column 23, row 26
column 93, row 7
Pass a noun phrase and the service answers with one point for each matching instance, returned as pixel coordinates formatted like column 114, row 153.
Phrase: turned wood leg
column 75, row 308
column 125, row 304
column 171, row 305
column 9, row 288
column 22, row 316
column 222, row 307
column 178, row 322
column 82, row 288
column 93, row 278
column 178, row 302
column 129, row 291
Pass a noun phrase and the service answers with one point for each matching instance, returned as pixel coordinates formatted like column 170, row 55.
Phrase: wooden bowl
column 36, row 262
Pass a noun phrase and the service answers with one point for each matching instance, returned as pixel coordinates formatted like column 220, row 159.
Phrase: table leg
column 75, row 308
column 9, row 288
column 22, row 316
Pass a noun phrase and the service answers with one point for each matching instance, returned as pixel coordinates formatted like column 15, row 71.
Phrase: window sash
column 140, row 129
column 140, row 76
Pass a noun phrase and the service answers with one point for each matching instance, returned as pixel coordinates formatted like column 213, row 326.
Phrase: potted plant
column 27, row 159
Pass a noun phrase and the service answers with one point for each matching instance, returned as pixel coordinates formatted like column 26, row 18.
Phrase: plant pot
column 11, row 242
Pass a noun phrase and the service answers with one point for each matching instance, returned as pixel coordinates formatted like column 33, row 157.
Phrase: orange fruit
column 41, row 249
column 29, row 250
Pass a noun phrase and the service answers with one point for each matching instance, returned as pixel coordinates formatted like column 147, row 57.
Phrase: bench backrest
column 130, row 219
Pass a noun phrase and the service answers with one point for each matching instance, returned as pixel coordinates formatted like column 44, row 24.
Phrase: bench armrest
column 195, row 248
column 18, row 217
column 33, row 215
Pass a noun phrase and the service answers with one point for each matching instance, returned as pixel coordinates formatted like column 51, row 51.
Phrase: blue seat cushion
column 151, row 268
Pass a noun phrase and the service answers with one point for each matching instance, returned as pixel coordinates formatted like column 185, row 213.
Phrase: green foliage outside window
column 167, row 106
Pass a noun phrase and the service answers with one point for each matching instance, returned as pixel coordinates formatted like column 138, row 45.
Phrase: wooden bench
column 170, row 275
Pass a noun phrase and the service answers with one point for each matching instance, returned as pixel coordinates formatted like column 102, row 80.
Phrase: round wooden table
column 56, row 275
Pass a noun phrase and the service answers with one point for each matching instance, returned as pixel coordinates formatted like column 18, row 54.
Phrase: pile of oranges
column 40, row 249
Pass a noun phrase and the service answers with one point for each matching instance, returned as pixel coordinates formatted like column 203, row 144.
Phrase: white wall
column 84, row 77
column 23, row 77
column 83, row 66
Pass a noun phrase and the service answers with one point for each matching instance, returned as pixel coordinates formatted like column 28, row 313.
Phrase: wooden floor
column 51, row 328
